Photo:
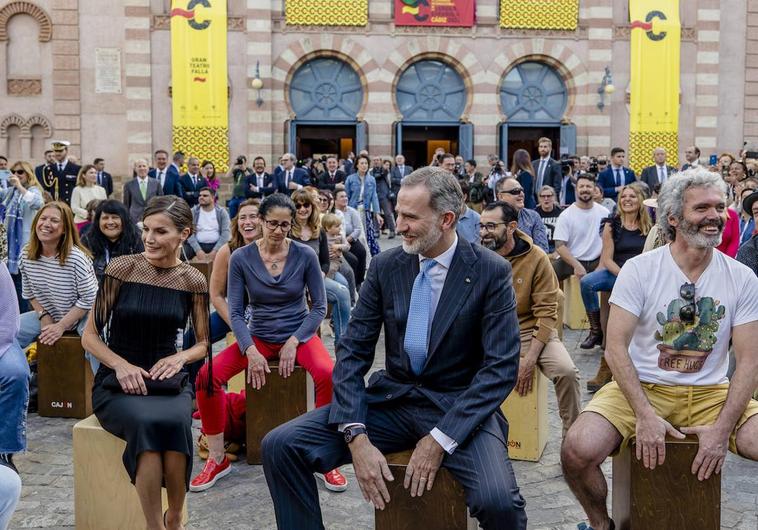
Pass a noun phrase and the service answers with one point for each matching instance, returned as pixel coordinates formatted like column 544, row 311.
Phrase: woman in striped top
column 57, row 278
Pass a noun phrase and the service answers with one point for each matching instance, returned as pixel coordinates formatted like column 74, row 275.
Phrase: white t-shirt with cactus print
column 682, row 337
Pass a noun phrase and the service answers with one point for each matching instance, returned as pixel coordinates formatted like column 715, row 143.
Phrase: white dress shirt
column 437, row 276
column 663, row 173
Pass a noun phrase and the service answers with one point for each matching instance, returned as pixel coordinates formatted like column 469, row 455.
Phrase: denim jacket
column 353, row 189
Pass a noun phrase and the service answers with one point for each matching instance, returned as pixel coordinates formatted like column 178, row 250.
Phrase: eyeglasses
column 488, row 227
column 514, row 191
column 323, row 199
column 302, row 206
column 687, row 313
column 547, row 196
column 602, row 163
column 19, row 172
column 273, row 225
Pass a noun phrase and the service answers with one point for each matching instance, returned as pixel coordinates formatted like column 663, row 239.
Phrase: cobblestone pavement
column 242, row 501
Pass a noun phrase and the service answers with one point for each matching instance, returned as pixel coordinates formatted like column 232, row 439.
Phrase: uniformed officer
column 59, row 176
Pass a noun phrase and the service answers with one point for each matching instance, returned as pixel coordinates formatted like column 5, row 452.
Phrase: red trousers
column 311, row 355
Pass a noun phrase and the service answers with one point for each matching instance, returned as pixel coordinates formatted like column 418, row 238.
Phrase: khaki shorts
column 681, row 406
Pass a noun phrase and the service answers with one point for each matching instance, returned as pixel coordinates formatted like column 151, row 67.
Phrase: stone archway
column 28, row 8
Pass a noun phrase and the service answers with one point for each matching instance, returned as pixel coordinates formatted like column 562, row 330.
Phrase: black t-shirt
column 549, row 219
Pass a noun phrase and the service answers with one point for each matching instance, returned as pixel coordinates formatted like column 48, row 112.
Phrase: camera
column 240, row 161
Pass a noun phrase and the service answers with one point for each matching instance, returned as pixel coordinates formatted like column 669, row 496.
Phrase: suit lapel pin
column 468, row 280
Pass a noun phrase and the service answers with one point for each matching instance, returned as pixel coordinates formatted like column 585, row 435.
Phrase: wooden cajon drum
column 104, row 497
column 574, row 315
column 206, row 267
column 237, row 383
column 64, row 379
column 443, row 508
column 527, row 417
column 279, row 401
column 669, row 496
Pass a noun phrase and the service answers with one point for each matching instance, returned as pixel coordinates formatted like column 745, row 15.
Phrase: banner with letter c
column 654, row 108
column 199, row 80
column 435, row 12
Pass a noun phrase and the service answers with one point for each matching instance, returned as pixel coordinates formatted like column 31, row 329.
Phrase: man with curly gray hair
column 673, row 313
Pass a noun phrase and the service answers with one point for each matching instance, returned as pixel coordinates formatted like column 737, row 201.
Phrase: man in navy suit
column 547, row 170
column 292, row 178
column 192, row 181
column 448, row 312
column 39, row 170
column 104, row 178
column 166, row 174
column 614, row 177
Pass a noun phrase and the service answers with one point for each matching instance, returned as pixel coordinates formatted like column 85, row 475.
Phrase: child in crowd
column 337, row 245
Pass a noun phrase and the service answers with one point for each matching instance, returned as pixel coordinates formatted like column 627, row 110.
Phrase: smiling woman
column 141, row 392
column 57, row 278
column 112, row 235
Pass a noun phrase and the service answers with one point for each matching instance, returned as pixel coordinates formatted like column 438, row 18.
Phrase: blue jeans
column 591, row 284
column 10, row 492
column 30, row 330
column 14, row 398
column 339, row 296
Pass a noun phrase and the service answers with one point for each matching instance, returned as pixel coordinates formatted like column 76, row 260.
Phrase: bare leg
column 215, row 447
column 148, row 484
column 588, row 443
column 747, row 439
column 174, row 470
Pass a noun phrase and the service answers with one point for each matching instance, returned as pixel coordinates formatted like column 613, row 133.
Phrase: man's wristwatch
column 352, row 432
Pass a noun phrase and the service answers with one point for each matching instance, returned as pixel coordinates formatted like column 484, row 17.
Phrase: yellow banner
column 199, row 80
column 539, row 14
column 326, row 12
column 654, row 109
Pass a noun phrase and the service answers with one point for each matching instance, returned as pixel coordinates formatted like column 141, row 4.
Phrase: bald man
column 659, row 172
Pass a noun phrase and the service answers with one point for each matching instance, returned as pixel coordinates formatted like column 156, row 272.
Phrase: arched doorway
column 326, row 95
column 431, row 96
column 534, row 97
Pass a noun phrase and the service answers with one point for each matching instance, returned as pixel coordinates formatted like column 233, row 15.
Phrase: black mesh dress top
column 138, row 310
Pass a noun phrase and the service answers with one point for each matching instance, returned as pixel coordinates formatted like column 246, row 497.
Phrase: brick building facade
column 48, row 50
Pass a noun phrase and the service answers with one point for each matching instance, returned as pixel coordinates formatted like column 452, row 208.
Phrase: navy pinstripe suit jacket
column 472, row 364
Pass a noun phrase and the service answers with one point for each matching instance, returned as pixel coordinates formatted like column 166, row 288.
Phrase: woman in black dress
column 140, row 394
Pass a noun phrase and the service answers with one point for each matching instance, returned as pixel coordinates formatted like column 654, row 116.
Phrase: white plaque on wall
column 107, row 70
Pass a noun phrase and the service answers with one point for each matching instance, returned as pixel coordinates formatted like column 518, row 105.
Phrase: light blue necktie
column 417, row 327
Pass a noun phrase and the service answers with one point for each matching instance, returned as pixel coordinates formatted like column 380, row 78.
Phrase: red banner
column 434, row 12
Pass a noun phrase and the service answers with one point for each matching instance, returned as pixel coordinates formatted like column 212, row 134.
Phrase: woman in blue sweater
column 274, row 272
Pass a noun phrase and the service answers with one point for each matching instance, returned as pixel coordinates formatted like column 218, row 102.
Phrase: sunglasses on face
column 546, row 196
column 302, row 206
column 19, row 172
column 514, row 191
column 688, row 312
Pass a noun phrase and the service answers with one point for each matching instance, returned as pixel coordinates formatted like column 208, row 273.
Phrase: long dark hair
column 522, row 162
column 130, row 241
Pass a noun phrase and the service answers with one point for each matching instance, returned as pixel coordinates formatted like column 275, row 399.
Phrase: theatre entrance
column 419, row 142
column 316, row 140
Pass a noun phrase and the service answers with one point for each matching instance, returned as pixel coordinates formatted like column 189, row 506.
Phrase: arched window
column 14, row 151
column 23, row 49
column 326, row 89
column 431, row 90
column 533, row 91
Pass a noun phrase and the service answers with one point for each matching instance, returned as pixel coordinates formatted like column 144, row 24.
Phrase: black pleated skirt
column 147, row 423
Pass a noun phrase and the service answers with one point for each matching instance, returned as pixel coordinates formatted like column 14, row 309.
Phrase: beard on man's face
column 494, row 242
column 694, row 237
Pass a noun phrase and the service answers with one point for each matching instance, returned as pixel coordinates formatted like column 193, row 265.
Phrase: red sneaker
column 333, row 480
column 210, row 474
